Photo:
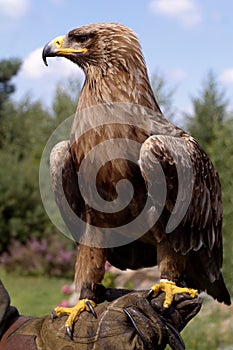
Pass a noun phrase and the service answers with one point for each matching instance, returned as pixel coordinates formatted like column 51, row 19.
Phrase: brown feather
column 188, row 250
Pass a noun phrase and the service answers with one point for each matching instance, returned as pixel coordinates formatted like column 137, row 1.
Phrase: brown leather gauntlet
column 125, row 321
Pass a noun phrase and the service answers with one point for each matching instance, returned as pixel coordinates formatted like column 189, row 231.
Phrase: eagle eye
column 82, row 38
column 79, row 38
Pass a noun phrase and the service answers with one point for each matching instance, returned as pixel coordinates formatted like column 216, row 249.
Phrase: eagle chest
column 106, row 162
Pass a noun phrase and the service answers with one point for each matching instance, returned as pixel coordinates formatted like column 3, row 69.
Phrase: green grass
column 34, row 296
column 211, row 329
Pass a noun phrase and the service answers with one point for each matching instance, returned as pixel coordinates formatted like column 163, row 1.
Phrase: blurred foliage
column 163, row 94
column 46, row 257
column 109, row 280
column 209, row 112
column 212, row 125
column 66, row 99
column 25, row 127
column 8, row 69
column 211, row 329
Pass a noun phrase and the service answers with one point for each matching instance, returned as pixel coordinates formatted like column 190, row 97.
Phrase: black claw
column 53, row 315
column 91, row 308
column 69, row 332
column 150, row 294
column 136, row 328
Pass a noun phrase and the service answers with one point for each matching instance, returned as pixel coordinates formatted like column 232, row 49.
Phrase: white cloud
column 227, row 76
column 40, row 82
column 14, row 8
column 178, row 74
column 186, row 11
column 34, row 68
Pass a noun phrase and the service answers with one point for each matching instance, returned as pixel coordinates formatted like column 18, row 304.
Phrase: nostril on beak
column 58, row 42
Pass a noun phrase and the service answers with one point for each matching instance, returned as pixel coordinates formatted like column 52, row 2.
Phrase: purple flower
column 66, row 289
column 107, row 266
column 64, row 303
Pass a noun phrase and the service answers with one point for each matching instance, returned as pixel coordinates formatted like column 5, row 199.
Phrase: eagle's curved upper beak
column 59, row 47
column 52, row 48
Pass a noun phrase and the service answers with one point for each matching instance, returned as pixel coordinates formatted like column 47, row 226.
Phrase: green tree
column 8, row 69
column 209, row 111
column 163, row 94
column 221, row 153
column 212, row 125
column 25, row 126
column 65, row 100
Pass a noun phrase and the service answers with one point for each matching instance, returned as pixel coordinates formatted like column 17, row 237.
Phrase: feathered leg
column 89, row 271
column 90, row 263
column 171, row 264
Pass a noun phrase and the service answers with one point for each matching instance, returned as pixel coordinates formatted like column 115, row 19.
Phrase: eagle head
column 102, row 45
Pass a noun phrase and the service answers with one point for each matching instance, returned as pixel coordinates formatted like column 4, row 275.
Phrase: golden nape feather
column 182, row 225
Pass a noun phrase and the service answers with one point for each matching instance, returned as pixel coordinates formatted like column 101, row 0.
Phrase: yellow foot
column 170, row 290
column 74, row 312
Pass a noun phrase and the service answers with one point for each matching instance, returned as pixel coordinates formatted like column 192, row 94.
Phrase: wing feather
column 65, row 185
column 192, row 214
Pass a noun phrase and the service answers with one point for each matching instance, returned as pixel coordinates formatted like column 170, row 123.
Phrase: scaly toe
column 73, row 313
column 59, row 311
column 170, row 290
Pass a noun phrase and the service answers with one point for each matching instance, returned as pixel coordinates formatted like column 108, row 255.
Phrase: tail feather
column 218, row 290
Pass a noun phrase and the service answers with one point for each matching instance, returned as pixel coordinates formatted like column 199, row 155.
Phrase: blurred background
column 188, row 49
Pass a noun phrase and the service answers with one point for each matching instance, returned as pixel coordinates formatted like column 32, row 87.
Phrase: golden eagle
column 171, row 175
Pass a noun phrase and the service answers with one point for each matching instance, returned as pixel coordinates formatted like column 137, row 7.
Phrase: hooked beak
column 58, row 47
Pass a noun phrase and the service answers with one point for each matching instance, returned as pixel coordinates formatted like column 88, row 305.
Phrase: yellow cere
column 58, row 42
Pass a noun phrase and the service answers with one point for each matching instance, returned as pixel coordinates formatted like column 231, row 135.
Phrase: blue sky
column 181, row 39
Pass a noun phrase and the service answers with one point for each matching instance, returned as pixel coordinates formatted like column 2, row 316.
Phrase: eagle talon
column 170, row 289
column 53, row 315
column 69, row 333
column 73, row 313
column 150, row 294
column 88, row 303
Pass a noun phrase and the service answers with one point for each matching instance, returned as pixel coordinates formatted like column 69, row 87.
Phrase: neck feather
column 117, row 83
